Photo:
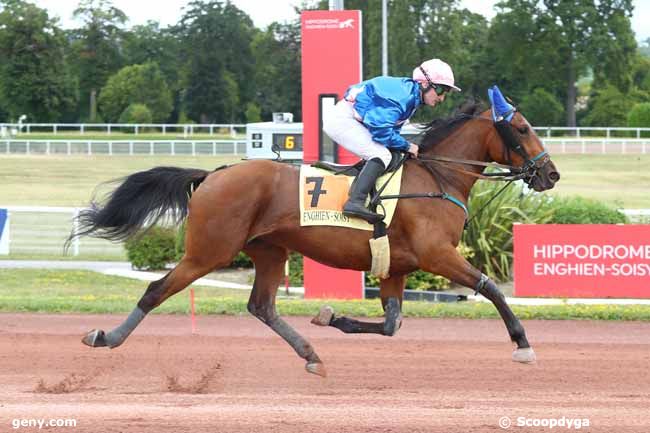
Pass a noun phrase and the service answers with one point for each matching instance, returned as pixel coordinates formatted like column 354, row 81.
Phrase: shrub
column 153, row 249
column 578, row 210
column 489, row 233
column 542, row 108
column 639, row 116
column 136, row 113
column 142, row 84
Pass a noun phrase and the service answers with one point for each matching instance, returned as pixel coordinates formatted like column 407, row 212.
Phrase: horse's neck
column 467, row 142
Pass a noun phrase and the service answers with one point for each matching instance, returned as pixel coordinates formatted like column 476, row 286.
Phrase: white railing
column 44, row 229
column 591, row 132
column 124, row 147
column 596, row 145
column 133, row 128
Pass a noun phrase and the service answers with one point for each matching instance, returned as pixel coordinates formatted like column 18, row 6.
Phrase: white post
column 69, row 146
column 151, row 148
column 193, row 148
column 90, row 150
column 27, row 146
column 54, row 128
column 81, row 128
column 110, row 148
column 47, row 147
column 108, row 129
column 130, row 148
column 173, row 148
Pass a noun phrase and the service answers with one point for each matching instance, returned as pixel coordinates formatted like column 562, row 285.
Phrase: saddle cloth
column 323, row 194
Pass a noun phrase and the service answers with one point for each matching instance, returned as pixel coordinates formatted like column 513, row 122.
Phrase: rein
column 526, row 172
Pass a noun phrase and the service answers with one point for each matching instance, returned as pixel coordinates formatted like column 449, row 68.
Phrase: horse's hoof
column 525, row 355
column 324, row 316
column 94, row 338
column 316, row 368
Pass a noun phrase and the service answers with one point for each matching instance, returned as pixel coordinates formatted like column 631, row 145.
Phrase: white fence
column 163, row 128
column 123, row 147
column 38, row 230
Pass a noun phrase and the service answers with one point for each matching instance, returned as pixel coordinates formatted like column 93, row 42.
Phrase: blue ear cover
column 500, row 107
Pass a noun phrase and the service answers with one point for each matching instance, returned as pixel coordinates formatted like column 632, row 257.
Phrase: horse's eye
column 523, row 130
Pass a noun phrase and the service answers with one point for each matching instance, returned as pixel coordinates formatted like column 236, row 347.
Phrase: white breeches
column 340, row 124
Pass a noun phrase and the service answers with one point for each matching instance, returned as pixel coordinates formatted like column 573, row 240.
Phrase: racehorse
column 253, row 206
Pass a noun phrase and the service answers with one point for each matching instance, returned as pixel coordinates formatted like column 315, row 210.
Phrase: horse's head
column 517, row 144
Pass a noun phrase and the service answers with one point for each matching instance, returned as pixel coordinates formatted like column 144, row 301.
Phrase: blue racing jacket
column 383, row 105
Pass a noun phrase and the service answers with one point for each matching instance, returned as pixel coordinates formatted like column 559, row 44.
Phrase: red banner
column 582, row 261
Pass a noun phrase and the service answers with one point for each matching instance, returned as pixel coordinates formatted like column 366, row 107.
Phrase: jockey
column 368, row 120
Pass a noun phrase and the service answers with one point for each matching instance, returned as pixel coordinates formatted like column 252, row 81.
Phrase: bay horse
column 253, row 206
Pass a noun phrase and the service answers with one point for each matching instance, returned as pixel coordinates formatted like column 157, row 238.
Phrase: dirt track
column 236, row 376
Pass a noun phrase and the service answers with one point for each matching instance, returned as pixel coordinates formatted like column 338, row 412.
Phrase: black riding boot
column 361, row 187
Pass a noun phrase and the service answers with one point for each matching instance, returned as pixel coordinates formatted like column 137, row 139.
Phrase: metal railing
column 123, row 147
column 234, row 129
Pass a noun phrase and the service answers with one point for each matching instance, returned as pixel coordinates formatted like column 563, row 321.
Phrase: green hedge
column 153, row 249
column 578, row 210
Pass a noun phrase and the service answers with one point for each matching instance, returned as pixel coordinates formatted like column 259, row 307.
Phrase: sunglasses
column 440, row 89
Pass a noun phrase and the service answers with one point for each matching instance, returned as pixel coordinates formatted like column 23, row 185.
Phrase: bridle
column 507, row 172
column 527, row 172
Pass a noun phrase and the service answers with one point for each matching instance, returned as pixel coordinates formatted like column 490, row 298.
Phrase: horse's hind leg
column 158, row 291
column 269, row 267
column 391, row 292
column 460, row 271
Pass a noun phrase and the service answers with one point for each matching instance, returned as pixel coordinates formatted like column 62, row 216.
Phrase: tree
column 639, row 116
column 97, row 47
column 608, row 106
column 34, row 76
column 216, row 38
column 143, row 84
column 277, row 69
column 575, row 35
column 541, row 108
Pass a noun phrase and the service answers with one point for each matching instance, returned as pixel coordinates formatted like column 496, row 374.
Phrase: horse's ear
column 471, row 107
column 500, row 107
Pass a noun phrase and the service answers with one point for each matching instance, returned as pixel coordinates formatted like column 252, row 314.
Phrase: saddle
column 354, row 169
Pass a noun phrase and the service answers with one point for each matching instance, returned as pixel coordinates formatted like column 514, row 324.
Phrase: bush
column 141, row 84
column 489, row 234
column 153, row 249
column 639, row 116
column 542, row 108
column 136, row 113
column 578, row 210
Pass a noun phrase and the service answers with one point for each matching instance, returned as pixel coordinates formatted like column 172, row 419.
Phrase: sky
column 264, row 12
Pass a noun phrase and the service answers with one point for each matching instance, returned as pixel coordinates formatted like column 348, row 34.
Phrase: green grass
column 49, row 291
column 621, row 180
column 70, row 180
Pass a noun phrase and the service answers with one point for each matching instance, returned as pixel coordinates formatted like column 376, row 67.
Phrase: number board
column 289, row 142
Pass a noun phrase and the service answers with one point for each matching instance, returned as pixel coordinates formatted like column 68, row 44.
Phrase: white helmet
column 435, row 71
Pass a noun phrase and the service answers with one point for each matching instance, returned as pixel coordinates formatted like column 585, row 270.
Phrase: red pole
column 192, row 310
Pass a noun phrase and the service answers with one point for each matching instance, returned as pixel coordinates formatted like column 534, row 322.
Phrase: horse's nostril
column 554, row 176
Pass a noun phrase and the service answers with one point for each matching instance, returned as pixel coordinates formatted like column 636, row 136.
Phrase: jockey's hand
column 413, row 150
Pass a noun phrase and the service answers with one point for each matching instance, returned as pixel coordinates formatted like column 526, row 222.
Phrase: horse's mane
column 438, row 129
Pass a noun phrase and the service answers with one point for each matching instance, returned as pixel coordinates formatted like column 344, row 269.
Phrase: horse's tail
column 139, row 202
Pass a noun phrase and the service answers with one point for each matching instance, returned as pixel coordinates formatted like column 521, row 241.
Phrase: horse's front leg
column 390, row 292
column 460, row 271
